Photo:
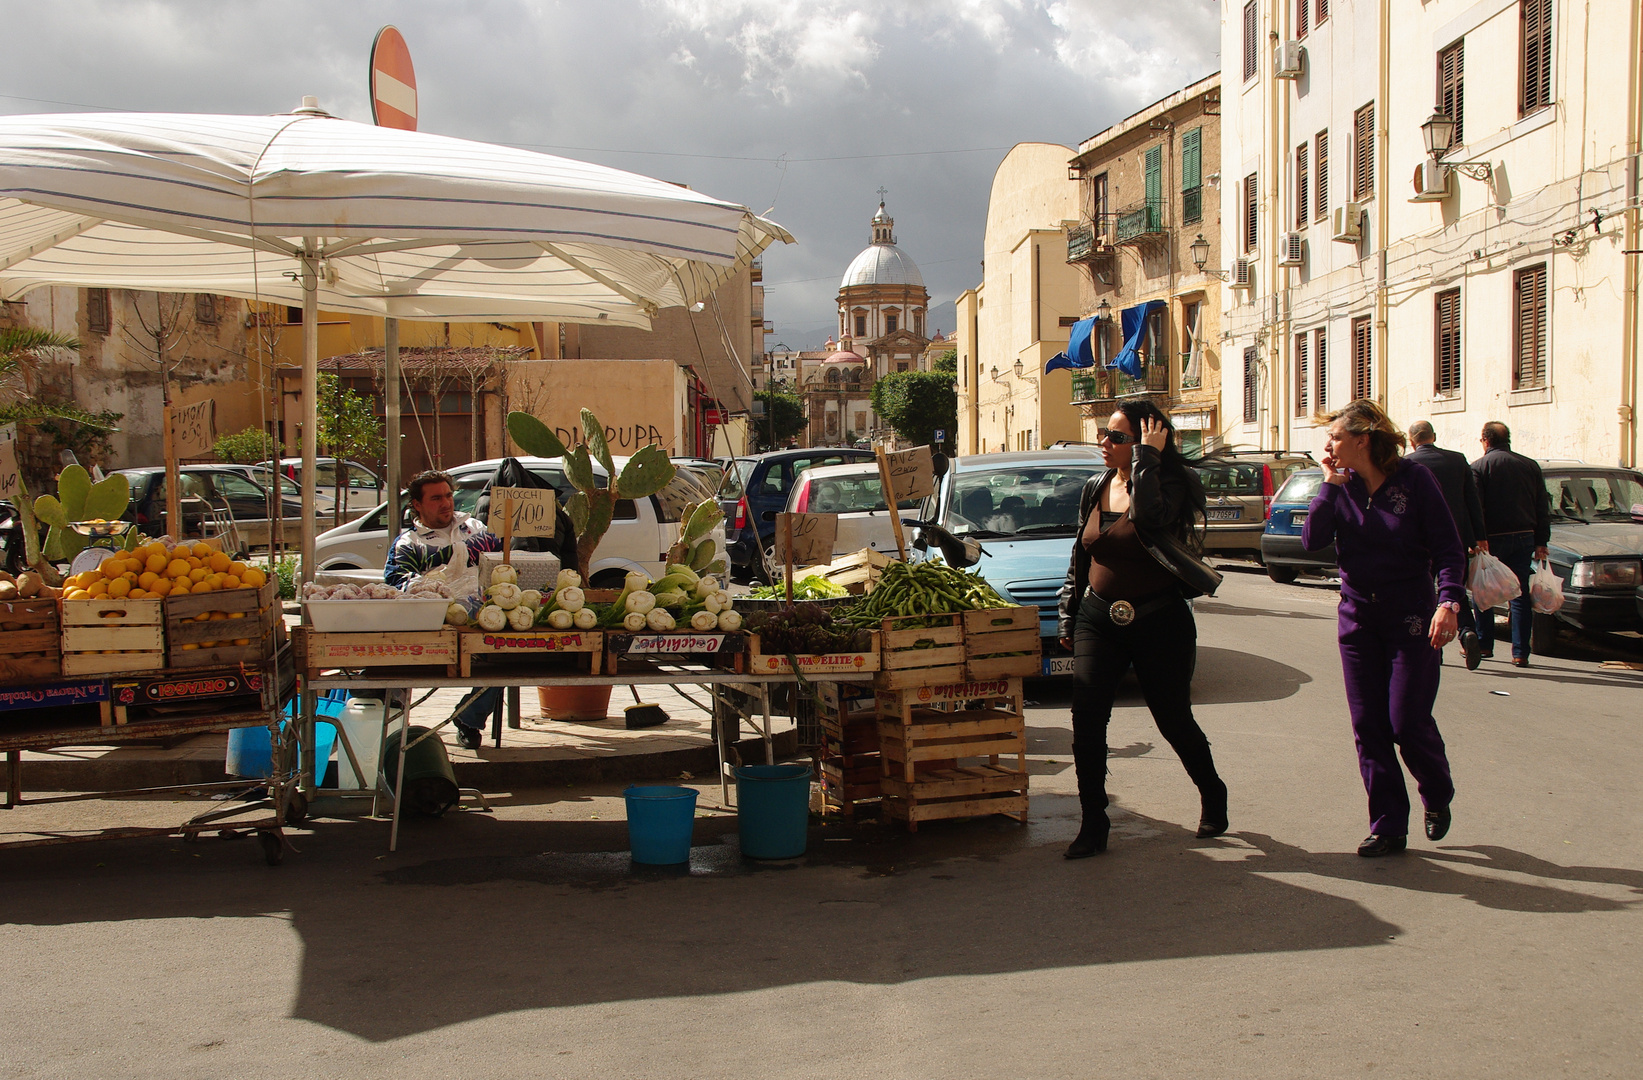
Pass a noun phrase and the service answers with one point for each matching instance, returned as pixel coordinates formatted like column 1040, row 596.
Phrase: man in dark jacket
column 1519, row 516
column 1460, row 491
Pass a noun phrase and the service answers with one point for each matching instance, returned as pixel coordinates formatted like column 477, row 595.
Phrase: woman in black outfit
column 1121, row 606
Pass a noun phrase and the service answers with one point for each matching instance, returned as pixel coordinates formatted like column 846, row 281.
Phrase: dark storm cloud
column 805, row 104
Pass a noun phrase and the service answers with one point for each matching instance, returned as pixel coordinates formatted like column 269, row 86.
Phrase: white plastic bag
column 1491, row 582
column 1546, row 589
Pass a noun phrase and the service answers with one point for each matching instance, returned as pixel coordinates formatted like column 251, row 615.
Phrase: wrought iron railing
column 1192, row 205
column 1142, row 219
column 1190, row 380
column 1107, row 385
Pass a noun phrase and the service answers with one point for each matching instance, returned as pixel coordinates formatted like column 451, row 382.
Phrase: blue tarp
column 1133, row 321
column 1078, row 354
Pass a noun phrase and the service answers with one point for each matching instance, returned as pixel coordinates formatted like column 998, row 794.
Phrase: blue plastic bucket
column 660, row 822
column 250, row 754
column 773, row 810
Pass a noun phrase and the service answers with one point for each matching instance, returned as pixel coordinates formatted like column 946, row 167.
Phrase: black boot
column 1213, row 819
column 1092, row 836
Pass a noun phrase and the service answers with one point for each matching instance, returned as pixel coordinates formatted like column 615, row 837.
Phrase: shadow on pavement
column 1223, row 677
column 1215, row 607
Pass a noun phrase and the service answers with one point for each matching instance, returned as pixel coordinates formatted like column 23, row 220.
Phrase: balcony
column 1088, row 242
column 1142, row 220
column 1190, row 381
column 1103, row 385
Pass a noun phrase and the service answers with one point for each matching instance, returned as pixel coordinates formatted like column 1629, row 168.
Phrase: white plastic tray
column 381, row 616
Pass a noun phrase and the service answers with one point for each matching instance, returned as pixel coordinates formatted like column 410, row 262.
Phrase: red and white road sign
column 393, row 81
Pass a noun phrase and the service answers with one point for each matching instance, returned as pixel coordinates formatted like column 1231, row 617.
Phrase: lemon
column 112, row 567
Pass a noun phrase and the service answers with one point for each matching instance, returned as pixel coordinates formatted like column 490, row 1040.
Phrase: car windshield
column 1039, row 501
column 735, row 481
column 849, row 495
column 1230, row 477
column 685, row 489
column 1302, row 487
column 1595, row 496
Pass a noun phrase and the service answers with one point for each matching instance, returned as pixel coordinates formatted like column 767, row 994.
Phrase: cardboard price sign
column 194, row 428
column 533, row 511
column 10, row 480
column 912, row 476
column 805, row 539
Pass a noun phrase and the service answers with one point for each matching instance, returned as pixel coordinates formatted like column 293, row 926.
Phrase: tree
column 916, row 404
column 248, row 447
column 348, row 427
column 948, row 362
column 782, row 420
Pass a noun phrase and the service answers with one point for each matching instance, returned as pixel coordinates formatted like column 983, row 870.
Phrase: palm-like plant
column 20, row 349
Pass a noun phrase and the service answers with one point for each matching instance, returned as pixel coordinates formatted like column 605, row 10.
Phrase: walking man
column 1518, row 513
column 1460, row 491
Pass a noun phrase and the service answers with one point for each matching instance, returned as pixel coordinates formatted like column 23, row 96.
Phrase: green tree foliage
column 948, row 362
column 348, row 428
column 783, row 419
column 247, row 447
column 916, row 403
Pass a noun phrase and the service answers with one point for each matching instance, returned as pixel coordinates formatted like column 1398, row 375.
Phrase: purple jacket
column 1401, row 535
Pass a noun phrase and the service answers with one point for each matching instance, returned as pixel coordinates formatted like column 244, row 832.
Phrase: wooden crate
column 422, row 648
column 943, row 747
column 961, row 791
column 812, row 665
column 848, row 759
column 991, row 634
column 531, row 647
column 107, row 637
column 31, row 649
column 254, row 616
column 721, row 648
column 920, row 655
column 236, row 688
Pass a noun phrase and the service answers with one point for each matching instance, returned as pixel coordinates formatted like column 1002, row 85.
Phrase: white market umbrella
column 304, row 208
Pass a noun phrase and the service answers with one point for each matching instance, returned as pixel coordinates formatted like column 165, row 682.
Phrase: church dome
column 882, row 264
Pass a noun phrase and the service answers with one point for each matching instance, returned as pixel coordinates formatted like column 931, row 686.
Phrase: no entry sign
column 393, row 81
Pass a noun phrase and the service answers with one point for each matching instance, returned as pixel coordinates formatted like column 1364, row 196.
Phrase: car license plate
column 1229, row 513
column 1058, row 665
column 1298, row 518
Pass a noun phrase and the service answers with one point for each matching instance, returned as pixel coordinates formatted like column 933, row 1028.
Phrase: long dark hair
column 1175, row 464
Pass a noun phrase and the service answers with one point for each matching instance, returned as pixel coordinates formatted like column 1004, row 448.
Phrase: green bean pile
column 923, row 588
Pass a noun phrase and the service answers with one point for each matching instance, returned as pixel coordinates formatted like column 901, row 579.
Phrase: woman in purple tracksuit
column 1393, row 534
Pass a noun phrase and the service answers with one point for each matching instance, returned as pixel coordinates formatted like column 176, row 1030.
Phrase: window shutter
column 1323, row 12
column 1302, row 8
column 1301, row 374
column 1529, row 300
column 1320, row 372
column 1320, row 169
column 1363, row 153
column 1360, row 358
column 1252, row 40
column 1249, row 385
column 1446, row 358
column 1536, row 62
column 1192, row 160
column 1301, row 188
column 1251, row 211
column 1451, row 102
column 1155, row 186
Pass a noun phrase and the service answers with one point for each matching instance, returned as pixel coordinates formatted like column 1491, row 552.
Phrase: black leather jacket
column 1162, row 502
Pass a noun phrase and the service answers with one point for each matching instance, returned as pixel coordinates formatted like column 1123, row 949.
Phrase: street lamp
column 1199, row 250
column 1438, row 133
column 1103, row 311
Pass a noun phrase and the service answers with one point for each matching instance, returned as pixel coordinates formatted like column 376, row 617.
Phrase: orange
column 253, row 578
column 98, row 588
column 76, row 594
column 146, row 579
column 237, row 569
column 112, row 567
column 156, row 563
column 162, row 587
column 119, row 588
column 202, row 550
column 194, row 563
column 203, row 586
column 177, row 568
column 198, row 573
column 180, row 588
column 242, row 641
column 137, row 594
column 219, row 616
column 219, row 561
column 229, row 581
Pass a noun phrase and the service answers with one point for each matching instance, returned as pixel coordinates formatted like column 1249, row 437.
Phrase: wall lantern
column 1199, row 250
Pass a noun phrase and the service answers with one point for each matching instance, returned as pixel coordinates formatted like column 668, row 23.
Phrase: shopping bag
column 1491, row 582
column 1546, row 589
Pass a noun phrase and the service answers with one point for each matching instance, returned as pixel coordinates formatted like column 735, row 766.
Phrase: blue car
column 755, row 489
column 1281, row 548
column 1023, row 508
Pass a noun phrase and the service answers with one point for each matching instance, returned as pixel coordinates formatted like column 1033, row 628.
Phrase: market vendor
column 429, row 544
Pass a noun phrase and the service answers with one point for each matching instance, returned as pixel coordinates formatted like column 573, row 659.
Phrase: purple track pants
column 1391, row 673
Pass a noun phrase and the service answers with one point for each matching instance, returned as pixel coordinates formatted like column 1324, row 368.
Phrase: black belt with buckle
column 1124, row 612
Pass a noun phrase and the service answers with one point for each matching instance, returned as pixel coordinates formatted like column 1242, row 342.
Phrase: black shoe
column 469, row 738
column 1470, row 647
column 1375, row 845
column 1437, row 824
column 1091, row 839
column 1213, row 820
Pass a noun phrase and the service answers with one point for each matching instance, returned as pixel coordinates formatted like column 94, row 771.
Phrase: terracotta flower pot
column 574, row 702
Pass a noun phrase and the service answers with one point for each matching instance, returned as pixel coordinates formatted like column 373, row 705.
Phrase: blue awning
column 1133, row 321
column 1078, row 354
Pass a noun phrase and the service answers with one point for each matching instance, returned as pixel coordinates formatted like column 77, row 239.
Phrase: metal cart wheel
column 273, row 847
column 296, row 808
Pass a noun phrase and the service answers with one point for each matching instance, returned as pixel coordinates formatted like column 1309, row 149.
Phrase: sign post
column 804, row 540
column 521, row 512
column 904, row 474
column 11, row 477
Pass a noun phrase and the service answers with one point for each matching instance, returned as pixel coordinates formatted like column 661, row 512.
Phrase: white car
column 640, row 533
column 854, row 494
column 361, row 488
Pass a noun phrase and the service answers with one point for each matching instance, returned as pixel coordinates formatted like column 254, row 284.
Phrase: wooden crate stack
column 107, row 637
column 925, row 650
column 30, row 642
column 848, row 759
column 232, row 626
column 1002, row 642
column 317, row 652
column 953, row 750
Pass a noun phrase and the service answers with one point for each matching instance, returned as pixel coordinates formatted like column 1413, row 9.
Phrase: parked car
column 1023, row 508
column 1596, row 549
column 217, row 486
column 641, row 530
column 709, row 471
column 1281, row 548
column 262, row 475
column 1239, row 486
column 854, row 493
column 361, row 488
column 755, row 488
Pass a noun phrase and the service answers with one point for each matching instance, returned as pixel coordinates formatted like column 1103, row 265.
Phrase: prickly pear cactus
column 78, row 499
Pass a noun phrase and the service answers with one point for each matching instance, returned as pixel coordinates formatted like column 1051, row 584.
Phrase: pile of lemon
column 154, row 571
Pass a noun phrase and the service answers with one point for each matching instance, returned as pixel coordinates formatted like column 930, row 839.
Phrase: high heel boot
column 1092, row 836
column 1213, row 820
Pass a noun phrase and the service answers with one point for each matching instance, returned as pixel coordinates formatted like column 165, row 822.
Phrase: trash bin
column 660, row 822
column 773, row 810
column 430, row 782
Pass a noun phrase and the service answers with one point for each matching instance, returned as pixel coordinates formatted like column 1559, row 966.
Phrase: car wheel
column 608, row 579
column 1543, row 636
column 1283, row 575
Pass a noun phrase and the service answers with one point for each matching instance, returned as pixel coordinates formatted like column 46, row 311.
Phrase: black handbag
column 1174, row 555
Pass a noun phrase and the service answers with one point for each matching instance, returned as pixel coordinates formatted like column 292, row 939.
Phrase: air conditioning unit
column 1432, row 181
column 1289, row 60
column 1241, row 269
column 1349, row 223
column 1293, row 251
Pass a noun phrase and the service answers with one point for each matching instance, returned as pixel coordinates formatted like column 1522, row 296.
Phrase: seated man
column 429, row 544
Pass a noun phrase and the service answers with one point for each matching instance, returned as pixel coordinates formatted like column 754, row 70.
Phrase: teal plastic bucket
column 773, row 810
column 250, row 754
column 660, row 822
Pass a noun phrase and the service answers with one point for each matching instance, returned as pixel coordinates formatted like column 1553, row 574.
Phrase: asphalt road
column 523, row 944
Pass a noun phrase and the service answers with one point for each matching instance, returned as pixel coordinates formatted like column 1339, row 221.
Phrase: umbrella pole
column 310, row 400
column 390, row 402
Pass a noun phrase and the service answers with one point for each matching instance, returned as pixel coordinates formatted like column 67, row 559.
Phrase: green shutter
column 1155, row 187
column 1192, row 170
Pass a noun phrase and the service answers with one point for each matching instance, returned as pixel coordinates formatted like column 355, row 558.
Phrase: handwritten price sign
column 194, row 428
column 533, row 511
column 911, row 474
column 10, row 481
column 811, row 537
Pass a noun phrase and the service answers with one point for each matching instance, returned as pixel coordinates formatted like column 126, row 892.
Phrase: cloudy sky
column 805, row 107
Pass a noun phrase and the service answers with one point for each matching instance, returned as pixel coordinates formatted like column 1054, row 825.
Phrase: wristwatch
column 1451, row 605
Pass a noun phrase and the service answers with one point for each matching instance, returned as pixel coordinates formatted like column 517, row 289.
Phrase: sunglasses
column 1117, row 438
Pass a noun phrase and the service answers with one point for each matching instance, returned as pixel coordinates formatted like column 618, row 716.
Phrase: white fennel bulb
column 570, row 598
column 521, row 618
column 585, row 619
column 567, row 579
column 633, row 622
column 730, row 620
column 659, row 619
column 704, row 620
column 560, row 619
column 641, row 602
column 492, row 618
